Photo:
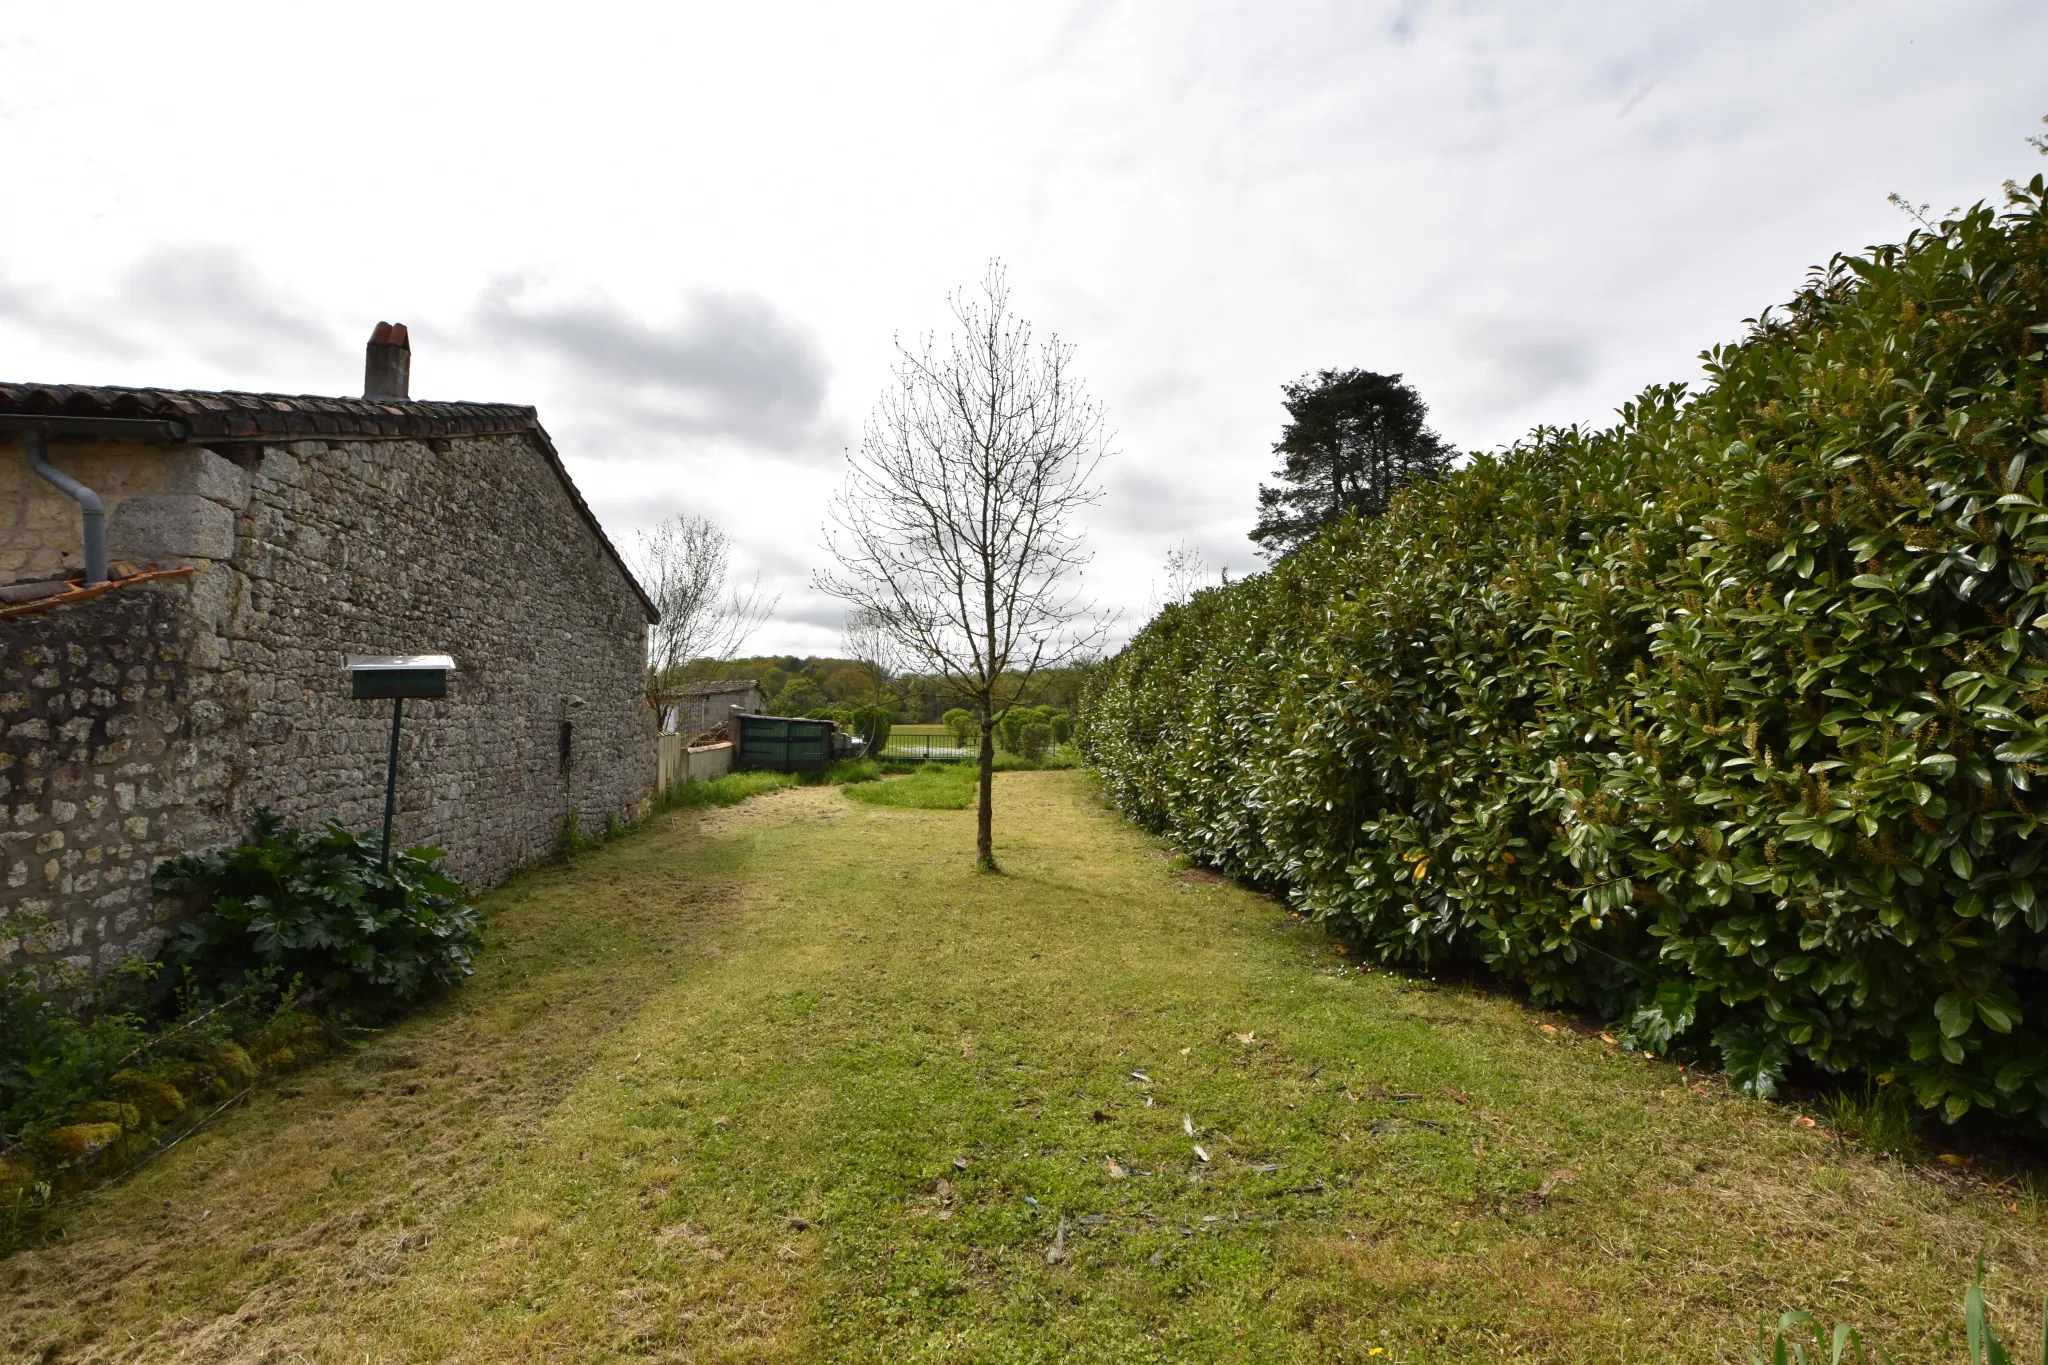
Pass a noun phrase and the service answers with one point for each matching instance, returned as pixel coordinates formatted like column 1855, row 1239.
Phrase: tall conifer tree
column 1353, row 438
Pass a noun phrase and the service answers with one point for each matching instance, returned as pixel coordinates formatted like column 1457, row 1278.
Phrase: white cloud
column 726, row 364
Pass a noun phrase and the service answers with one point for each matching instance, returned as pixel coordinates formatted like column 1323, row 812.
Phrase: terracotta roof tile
column 256, row 416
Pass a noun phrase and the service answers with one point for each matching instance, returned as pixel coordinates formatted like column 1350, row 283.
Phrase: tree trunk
column 984, row 816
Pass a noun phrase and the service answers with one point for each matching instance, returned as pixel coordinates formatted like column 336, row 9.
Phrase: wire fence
column 927, row 749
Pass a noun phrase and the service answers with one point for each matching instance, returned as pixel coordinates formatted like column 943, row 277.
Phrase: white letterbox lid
column 422, row 662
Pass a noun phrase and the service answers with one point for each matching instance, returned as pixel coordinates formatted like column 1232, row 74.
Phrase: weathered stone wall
column 98, row 775
column 308, row 552
column 473, row 550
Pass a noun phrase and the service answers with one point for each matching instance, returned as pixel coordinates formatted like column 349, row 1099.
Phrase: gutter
column 35, row 432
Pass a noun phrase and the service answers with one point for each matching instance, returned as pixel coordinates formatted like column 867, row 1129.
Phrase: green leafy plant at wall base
column 319, row 908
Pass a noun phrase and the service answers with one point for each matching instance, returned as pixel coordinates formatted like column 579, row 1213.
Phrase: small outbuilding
column 694, row 709
column 150, row 703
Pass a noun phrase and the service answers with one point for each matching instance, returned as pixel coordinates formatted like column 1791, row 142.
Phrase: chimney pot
column 387, row 363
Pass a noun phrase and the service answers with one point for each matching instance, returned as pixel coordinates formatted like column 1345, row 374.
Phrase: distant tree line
column 794, row 685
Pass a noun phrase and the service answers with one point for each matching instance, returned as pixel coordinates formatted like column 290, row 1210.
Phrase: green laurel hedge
column 1723, row 720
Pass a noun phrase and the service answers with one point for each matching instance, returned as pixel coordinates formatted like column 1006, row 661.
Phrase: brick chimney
column 387, row 367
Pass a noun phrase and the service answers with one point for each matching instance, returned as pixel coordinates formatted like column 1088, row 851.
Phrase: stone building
column 694, row 708
column 254, row 542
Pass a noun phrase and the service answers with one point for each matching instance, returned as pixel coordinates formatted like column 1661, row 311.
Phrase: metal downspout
column 95, row 514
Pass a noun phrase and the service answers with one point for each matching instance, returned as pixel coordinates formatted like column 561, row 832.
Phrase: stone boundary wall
column 307, row 552
column 98, row 775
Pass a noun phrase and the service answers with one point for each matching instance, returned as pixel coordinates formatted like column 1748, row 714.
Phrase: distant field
column 935, row 730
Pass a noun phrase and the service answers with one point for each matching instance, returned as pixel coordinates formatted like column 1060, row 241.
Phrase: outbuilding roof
column 218, row 418
column 718, row 688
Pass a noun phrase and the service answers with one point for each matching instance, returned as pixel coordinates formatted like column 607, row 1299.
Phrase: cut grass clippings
column 792, row 1081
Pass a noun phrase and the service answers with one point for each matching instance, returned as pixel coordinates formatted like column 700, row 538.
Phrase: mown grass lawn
column 790, row 1081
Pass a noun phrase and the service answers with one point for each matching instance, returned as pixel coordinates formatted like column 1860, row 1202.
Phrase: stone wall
column 305, row 553
column 39, row 526
column 98, row 775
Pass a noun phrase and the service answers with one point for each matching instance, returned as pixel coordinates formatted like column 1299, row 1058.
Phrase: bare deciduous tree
column 955, row 529
column 683, row 565
column 867, row 641
column 1187, row 573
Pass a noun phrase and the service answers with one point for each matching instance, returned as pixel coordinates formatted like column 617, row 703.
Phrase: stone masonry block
column 173, row 526
column 213, row 595
column 202, row 473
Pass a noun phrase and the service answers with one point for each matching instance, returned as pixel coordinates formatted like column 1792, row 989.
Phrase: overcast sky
column 688, row 234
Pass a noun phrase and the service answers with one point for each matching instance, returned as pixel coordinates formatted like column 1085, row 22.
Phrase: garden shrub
column 966, row 730
column 872, row 723
column 320, row 909
column 1034, row 739
column 1010, row 728
column 1722, row 720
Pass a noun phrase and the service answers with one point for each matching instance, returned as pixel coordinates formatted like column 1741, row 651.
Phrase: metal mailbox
column 389, row 677
column 393, row 678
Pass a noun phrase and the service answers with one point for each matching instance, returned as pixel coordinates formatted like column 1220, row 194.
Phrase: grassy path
column 788, row 1081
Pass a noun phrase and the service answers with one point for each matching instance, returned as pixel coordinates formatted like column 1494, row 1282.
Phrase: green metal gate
column 783, row 744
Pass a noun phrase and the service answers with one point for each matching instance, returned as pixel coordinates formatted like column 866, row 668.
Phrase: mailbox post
column 373, row 677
